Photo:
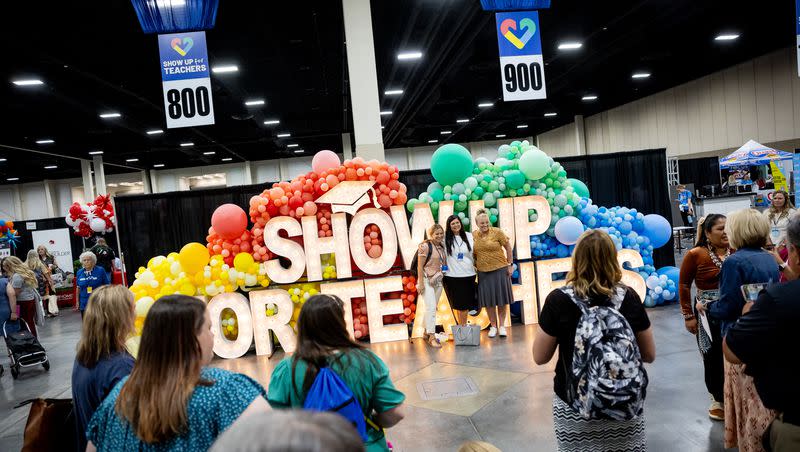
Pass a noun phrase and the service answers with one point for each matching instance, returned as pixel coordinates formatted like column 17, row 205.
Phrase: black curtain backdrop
column 700, row 172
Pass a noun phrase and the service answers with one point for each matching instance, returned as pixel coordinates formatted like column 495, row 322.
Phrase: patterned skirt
column 746, row 418
column 576, row 434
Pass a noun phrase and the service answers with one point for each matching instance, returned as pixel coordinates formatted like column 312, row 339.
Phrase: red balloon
column 229, row 221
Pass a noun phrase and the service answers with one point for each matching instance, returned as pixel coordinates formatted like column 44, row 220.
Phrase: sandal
column 433, row 342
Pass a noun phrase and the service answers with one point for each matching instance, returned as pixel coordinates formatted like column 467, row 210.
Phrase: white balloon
column 97, row 225
column 143, row 305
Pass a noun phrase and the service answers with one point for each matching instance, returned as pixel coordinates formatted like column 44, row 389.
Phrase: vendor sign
column 185, row 79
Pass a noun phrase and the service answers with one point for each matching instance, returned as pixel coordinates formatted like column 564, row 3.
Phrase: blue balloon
column 568, row 230
column 657, row 229
column 625, row 227
column 672, row 274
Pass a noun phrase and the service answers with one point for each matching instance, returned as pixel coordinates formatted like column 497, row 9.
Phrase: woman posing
column 431, row 264
column 323, row 341
column 593, row 281
column 701, row 266
column 172, row 401
column 459, row 280
column 23, row 280
column 778, row 216
column 493, row 259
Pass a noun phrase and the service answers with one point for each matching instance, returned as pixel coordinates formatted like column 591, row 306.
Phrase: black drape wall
column 700, row 172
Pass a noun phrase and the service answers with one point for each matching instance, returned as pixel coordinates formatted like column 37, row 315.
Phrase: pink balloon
column 375, row 251
column 310, row 208
column 229, row 221
column 324, row 161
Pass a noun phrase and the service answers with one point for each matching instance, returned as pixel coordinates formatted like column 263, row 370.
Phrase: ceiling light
column 132, row 160
column 3, row 160
column 727, row 37
column 209, row 152
column 502, row 135
column 158, row 165
column 187, row 144
column 393, row 92
column 589, row 97
column 522, row 126
column 414, row 55
column 45, row 142
column 383, row 127
column 486, row 104
column 462, row 121
column 445, row 132
column 250, row 103
column 271, row 122
column 96, row 153
column 570, row 46
column 155, row 132
column 167, row 3
column 550, row 114
column 283, row 135
column 386, row 112
column 227, row 159
column 27, row 82
column 433, row 141
column 298, row 151
column 225, row 69
column 110, row 115
column 12, row 179
column 292, row 145
column 51, row 167
column 640, row 75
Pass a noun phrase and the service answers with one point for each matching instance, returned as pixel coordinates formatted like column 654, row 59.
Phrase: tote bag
column 467, row 335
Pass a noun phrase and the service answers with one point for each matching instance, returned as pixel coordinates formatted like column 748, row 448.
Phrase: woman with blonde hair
column 493, row 259
column 172, row 400
column 102, row 360
column 44, row 283
column 594, row 283
column 23, row 280
column 778, row 215
column 431, row 266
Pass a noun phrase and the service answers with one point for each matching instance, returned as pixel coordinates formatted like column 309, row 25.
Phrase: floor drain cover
column 445, row 388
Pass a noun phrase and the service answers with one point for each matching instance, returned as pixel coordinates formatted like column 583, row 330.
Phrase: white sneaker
column 503, row 332
column 492, row 332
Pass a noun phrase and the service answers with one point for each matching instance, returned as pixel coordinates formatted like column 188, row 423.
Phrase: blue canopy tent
column 753, row 154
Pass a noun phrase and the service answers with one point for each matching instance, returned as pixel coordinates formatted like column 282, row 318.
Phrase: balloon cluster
column 328, row 266
column 88, row 219
column 662, row 286
column 373, row 241
column 8, row 233
column 299, row 293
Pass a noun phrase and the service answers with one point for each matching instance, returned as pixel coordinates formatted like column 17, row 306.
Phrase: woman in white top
column 778, row 215
column 459, row 279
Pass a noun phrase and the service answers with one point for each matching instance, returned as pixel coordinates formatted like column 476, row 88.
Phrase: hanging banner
column 797, row 31
column 186, row 79
column 796, row 172
column 521, row 61
column 777, row 177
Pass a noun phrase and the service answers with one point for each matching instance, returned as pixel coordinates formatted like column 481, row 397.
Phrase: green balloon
column 437, row 195
column 535, row 164
column 479, row 191
column 451, row 163
column 515, row 179
column 493, row 219
column 580, row 188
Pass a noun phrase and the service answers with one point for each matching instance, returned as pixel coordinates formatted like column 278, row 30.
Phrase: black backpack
column 415, row 261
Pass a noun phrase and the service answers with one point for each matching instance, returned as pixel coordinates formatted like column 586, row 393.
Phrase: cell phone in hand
column 750, row 291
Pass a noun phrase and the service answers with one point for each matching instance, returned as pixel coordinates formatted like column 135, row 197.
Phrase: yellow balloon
column 243, row 261
column 193, row 257
column 187, row 289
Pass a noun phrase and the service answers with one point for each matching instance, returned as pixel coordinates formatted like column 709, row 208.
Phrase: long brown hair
column 595, row 271
column 787, row 205
column 107, row 322
column 34, row 263
column 321, row 331
column 155, row 398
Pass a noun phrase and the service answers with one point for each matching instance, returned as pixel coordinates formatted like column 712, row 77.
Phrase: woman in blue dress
column 172, row 401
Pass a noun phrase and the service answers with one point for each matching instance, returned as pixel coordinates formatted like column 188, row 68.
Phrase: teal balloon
column 535, row 164
column 493, row 219
column 580, row 188
column 437, row 195
column 515, row 179
column 451, row 163
column 502, row 163
column 410, row 205
column 479, row 191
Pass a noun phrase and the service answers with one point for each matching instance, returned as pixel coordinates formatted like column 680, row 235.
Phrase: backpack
column 330, row 393
column 608, row 379
column 415, row 260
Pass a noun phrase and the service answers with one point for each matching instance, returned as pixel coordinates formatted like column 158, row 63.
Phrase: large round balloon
column 243, row 262
column 534, row 164
column 193, row 257
column 324, row 161
column 580, row 188
column 451, row 163
column 229, row 221
column 568, row 230
column 657, row 229
column 98, row 224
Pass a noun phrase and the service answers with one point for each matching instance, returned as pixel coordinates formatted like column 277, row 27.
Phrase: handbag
column 52, row 304
column 50, row 426
column 467, row 335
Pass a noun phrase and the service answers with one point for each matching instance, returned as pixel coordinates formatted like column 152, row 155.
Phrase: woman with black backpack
column 603, row 336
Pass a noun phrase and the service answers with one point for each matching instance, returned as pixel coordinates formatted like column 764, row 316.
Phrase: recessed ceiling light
column 45, row 141
column 96, row 153
column 550, row 114
column 225, row 69
column 522, row 126
column 386, row 112
column 227, row 159
column 132, row 160
column 570, row 46
column 209, row 152
column 292, row 145
column 252, row 102
column 445, row 132
column 283, row 135
column 158, row 165
column 27, row 82
column 502, row 135
column 433, row 141
column 462, row 121
column 298, row 151
column 393, row 92
column 272, row 122
column 187, row 144
column 589, row 97
column 110, row 115
column 411, row 55
column 155, row 132
column 51, row 167
column 727, row 37
column 640, row 75
column 485, row 104
column 3, row 160
column 12, row 179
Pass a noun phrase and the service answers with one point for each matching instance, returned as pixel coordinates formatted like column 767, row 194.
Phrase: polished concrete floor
column 511, row 409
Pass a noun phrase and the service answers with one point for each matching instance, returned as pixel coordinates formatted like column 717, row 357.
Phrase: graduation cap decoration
column 349, row 196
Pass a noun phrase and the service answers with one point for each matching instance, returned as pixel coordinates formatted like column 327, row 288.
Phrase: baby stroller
column 24, row 350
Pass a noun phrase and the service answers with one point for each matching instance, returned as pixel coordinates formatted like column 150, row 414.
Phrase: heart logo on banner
column 188, row 43
column 525, row 24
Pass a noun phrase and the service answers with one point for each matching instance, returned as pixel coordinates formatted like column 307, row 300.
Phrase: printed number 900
column 523, row 77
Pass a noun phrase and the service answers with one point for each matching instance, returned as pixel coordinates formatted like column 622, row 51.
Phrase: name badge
column 89, row 289
column 444, row 268
column 460, row 256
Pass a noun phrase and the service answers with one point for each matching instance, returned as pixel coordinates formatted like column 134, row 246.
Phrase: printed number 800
column 188, row 102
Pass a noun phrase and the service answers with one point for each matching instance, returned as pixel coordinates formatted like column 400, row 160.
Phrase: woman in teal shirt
column 323, row 341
